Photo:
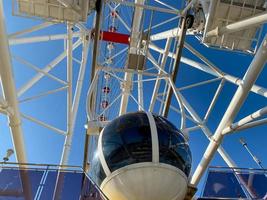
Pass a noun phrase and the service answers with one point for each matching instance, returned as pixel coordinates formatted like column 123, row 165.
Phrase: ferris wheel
column 84, row 63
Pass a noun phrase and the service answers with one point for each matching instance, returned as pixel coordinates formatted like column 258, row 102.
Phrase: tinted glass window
column 223, row 185
column 173, row 148
column 97, row 172
column 127, row 140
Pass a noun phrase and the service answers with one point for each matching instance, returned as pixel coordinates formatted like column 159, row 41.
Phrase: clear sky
column 44, row 146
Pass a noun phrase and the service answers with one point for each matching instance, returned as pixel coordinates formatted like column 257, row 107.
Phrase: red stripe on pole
column 115, row 37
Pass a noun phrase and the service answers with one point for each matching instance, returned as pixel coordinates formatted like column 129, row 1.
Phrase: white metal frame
column 157, row 74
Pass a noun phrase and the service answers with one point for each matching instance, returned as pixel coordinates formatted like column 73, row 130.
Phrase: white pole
column 44, row 38
column 80, row 81
column 46, row 69
column 207, row 132
column 10, row 95
column 210, row 68
column 242, row 92
column 127, row 84
column 157, row 83
column 140, row 92
column 240, row 25
column 9, row 92
column 68, row 139
column 30, row 30
column 245, row 120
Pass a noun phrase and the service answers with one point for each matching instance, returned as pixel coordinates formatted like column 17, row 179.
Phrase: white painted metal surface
column 10, row 93
column 133, row 89
column 233, row 24
column 145, row 181
column 55, row 10
column 241, row 94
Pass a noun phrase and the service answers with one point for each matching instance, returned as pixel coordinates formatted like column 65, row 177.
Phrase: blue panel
column 223, row 185
column 256, row 184
column 42, row 183
column 11, row 183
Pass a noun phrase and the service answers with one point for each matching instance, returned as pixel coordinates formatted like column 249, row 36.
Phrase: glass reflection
column 127, row 140
column 223, row 185
column 173, row 148
column 41, row 182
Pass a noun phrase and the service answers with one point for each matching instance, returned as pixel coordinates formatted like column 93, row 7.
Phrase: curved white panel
column 145, row 181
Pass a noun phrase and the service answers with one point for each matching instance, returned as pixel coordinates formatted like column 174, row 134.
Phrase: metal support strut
column 186, row 22
column 242, row 92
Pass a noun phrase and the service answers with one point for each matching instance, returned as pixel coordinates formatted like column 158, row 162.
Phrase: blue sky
column 44, row 146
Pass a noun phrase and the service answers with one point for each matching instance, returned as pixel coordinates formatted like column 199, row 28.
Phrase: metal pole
column 240, row 96
column 157, row 83
column 44, row 38
column 240, row 25
column 245, row 145
column 140, row 92
column 9, row 92
column 30, row 30
column 80, row 81
column 46, row 69
column 10, row 95
column 133, row 49
column 259, row 113
column 181, row 39
column 68, row 139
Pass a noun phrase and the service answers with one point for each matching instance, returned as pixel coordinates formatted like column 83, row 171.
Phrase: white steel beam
column 172, row 33
column 240, row 25
column 30, row 65
column 43, row 124
column 214, row 100
column 133, row 49
column 259, row 113
column 4, row 107
column 46, row 69
column 126, row 89
column 137, row 4
column 42, row 94
column 213, row 70
column 140, row 92
column 68, row 139
column 157, row 83
column 210, row 14
column 80, row 81
column 237, row 101
column 166, row 5
column 207, row 132
column 252, row 124
column 30, row 30
column 44, row 38
column 9, row 92
column 210, row 68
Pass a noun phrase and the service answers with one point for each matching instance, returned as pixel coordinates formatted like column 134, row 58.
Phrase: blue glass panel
column 256, row 183
column 75, row 185
column 223, row 185
column 173, row 148
column 11, row 187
